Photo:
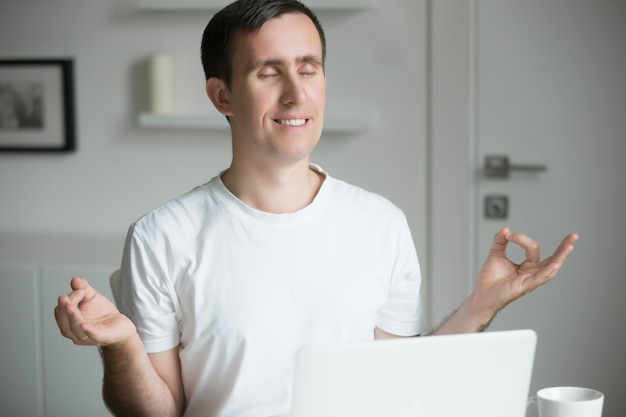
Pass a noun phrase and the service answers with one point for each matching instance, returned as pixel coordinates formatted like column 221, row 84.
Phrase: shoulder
column 180, row 213
column 359, row 199
column 351, row 207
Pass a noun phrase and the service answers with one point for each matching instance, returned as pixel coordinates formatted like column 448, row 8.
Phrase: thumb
column 500, row 241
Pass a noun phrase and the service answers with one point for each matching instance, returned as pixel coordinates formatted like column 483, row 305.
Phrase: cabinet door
column 21, row 391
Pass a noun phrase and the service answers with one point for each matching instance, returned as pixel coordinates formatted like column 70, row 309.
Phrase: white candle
column 161, row 88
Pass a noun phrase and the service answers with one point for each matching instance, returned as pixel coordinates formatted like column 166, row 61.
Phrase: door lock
column 496, row 206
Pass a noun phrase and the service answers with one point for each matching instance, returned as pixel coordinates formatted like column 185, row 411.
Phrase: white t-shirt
column 242, row 290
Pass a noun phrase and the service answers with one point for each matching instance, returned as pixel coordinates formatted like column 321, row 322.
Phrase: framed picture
column 37, row 105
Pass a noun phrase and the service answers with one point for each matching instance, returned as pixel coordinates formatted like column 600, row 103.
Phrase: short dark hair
column 245, row 16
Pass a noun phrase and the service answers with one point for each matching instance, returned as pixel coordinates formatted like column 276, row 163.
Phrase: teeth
column 292, row 122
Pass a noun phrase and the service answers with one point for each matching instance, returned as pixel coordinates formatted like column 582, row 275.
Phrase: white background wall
column 62, row 215
column 120, row 170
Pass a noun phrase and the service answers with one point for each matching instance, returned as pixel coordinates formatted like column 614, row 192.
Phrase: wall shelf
column 353, row 118
column 215, row 5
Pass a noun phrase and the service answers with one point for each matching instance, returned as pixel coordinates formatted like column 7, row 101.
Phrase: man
column 225, row 283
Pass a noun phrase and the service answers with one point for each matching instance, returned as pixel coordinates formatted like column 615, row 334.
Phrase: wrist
column 470, row 317
column 481, row 314
column 126, row 347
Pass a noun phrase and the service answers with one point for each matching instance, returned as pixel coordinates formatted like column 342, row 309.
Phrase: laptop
column 467, row 375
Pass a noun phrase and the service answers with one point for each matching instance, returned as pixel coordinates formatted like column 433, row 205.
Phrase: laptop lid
column 470, row 375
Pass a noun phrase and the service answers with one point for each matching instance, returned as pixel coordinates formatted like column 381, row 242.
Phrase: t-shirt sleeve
column 402, row 314
column 146, row 294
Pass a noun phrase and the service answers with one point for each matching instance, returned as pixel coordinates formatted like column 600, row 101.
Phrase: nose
column 294, row 90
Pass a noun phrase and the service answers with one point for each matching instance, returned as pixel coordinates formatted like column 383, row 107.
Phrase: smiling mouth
column 291, row 122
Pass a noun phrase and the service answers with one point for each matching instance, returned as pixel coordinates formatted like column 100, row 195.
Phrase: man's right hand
column 88, row 318
column 134, row 383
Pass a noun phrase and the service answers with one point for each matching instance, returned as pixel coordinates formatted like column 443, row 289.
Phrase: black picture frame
column 37, row 105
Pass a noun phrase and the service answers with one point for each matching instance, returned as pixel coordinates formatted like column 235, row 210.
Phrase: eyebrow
column 279, row 62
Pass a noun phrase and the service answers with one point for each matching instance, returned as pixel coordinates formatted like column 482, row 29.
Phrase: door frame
column 453, row 166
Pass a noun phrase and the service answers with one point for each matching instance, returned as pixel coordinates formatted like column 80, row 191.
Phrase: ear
column 219, row 95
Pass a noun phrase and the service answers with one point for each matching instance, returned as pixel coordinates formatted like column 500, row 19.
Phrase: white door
column 547, row 87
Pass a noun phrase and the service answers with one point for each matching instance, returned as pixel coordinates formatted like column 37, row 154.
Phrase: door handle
column 499, row 166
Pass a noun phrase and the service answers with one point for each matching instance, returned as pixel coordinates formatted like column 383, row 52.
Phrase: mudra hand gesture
column 502, row 281
column 89, row 318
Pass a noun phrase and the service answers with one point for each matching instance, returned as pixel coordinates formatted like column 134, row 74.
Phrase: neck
column 274, row 190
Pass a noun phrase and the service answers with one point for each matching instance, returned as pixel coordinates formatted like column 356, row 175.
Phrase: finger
column 542, row 275
column 564, row 249
column 81, row 284
column 62, row 312
column 69, row 318
column 556, row 260
column 553, row 264
column 76, row 322
column 500, row 242
column 530, row 246
column 61, row 316
column 76, row 297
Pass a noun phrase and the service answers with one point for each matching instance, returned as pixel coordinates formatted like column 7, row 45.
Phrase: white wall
column 62, row 215
column 120, row 170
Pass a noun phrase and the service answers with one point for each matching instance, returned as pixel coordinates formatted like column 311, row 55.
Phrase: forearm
column 469, row 318
column 132, row 387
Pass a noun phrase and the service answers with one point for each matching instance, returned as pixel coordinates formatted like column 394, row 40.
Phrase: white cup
column 568, row 402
